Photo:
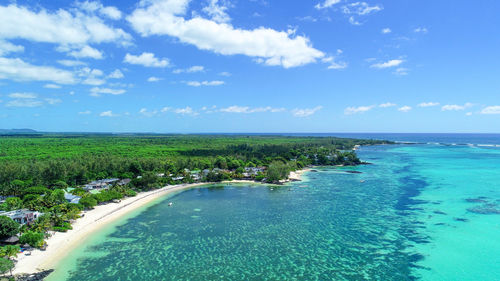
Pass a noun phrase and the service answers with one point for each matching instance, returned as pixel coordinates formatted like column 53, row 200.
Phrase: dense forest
column 48, row 160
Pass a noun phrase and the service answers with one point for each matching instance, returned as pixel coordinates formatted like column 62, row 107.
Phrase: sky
column 260, row 66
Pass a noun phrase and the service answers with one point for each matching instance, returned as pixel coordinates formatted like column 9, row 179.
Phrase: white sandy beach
column 62, row 243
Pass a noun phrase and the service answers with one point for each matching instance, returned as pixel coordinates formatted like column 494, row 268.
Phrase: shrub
column 32, row 238
column 88, row 202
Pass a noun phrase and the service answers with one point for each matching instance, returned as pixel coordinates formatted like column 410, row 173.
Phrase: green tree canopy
column 8, row 227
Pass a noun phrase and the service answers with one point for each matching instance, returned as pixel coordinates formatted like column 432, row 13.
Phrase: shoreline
column 61, row 244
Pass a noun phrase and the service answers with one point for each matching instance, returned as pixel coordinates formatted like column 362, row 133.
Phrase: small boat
column 362, row 181
column 170, row 204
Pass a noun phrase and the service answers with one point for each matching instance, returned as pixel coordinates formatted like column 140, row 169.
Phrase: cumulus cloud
column 192, row 69
column 271, row 47
column 495, row 109
column 359, row 109
column 147, row 113
column 305, row 112
column 83, row 52
column 73, row 28
column 146, row 59
column 387, row 64
column 204, row 83
column 225, row 73
column 185, row 111
column 29, row 100
column 7, row 47
column 326, row 4
column 247, row 109
column 386, row 30
column 456, row 107
column 116, row 74
column 108, row 113
column 405, row 108
column 91, row 76
column 52, row 101
column 18, row 70
column 86, row 112
column 360, row 8
column 428, row 104
column 96, row 7
column 216, row 10
column 96, row 91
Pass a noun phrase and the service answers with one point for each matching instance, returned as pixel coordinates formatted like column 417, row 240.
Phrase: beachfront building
column 252, row 171
column 100, row 184
column 72, row 198
column 22, row 216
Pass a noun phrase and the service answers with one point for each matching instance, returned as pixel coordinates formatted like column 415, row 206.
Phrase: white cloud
column 386, row 31
column 85, row 52
column 95, row 6
column 360, row 109
column 116, row 74
column 246, row 109
column 108, row 113
column 387, row 104
column 146, row 59
column 428, row 104
column 86, row 112
column 360, row 8
column 204, row 83
column 6, row 48
column 326, row 4
column 52, row 86
column 217, row 11
column 401, row 71
column 24, row 103
column 405, row 108
column 18, row 70
column 387, row 64
column 147, row 113
column 192, row 69
column 71, row 63
column 495, row 109
column 185, row 111
column 52, row 101
column 456, row 107
column 470, row 113
column 23, row 96
column 76, row 27
column 96, row 91
column 305, row 112
column 225, row 73
column 420, row 30
column 154, row 79
column 277, row 48
column 91, row 76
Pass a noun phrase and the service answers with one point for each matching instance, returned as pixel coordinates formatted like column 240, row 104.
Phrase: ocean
column 429, row 210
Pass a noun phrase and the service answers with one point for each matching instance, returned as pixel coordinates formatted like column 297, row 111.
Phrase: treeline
column 85, row 159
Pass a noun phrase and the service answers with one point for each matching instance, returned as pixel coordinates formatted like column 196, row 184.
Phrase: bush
column 88, row 202
column 32, row 238
column 5, row 265
column 8, row 227
column 130, row 193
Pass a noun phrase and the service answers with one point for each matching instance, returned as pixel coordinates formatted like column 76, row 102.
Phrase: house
column 72, row 198
column 124, row 182
column 178, row 178
column 100, row 184
column 22, row 216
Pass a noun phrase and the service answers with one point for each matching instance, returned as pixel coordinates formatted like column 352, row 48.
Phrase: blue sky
column 180, row 66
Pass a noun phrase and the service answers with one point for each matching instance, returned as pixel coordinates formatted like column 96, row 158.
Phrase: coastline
column 61, row 244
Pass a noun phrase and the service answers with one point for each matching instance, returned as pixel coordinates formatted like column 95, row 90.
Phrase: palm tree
column 10, row 251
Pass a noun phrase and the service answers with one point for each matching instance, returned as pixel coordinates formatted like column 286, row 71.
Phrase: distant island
column 47, row 180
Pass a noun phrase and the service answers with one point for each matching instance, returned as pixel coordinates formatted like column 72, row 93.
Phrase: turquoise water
column 420, row 212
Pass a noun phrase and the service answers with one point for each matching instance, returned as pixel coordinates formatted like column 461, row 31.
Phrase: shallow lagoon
column 410, row 215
